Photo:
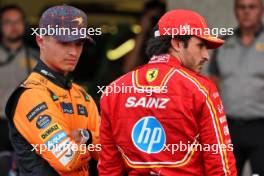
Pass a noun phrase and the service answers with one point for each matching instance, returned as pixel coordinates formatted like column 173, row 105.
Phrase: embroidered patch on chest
column 82, row 110
column 67, row 108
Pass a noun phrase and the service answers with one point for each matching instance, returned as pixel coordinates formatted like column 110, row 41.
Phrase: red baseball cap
column 187, row 22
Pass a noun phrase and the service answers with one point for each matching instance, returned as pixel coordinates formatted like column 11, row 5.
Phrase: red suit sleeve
column 110, row 160
column 214, row 134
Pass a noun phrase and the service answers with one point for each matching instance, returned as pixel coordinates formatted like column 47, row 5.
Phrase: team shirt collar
column 166, row 59
column 56, row 78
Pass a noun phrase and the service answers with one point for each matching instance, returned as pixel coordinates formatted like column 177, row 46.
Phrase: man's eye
column 201, row 45
column 80, row 43
column 250, row 6
column 64, row 43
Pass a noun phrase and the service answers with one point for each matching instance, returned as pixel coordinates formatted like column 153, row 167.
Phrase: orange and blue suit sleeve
column 40, row 122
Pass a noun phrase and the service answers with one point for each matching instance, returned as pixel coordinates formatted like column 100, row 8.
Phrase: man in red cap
column 168, row 119
column 54, row 123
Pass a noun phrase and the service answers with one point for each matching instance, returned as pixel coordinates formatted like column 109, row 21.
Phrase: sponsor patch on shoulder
column 82, row 110
column 43, row 121
column 67, row 108
column 163, row 58
column 50, row 131
column 36, row 111
column 152, row 74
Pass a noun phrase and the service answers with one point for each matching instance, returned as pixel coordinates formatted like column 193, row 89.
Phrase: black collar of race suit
column 56, row 78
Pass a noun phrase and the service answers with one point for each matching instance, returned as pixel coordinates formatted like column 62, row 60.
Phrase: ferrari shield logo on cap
column 152, row 74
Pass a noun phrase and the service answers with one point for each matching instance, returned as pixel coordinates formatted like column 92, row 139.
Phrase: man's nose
column 205, row 54
column 73, row 49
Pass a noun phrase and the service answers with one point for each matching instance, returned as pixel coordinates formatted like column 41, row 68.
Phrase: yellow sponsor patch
column 50, row 131
column 152, row 74
column 260, row 47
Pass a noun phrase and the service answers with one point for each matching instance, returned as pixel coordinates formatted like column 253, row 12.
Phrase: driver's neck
column 173, row 53
column 51, row 67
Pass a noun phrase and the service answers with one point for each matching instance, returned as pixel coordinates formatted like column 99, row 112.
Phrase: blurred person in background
column 238, row 70
column 153, row 10
column 16, row 61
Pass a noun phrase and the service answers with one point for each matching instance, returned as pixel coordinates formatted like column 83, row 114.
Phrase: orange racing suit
column 43, row 112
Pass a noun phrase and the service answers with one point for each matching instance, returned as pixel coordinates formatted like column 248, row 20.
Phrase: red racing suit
column 164, row 119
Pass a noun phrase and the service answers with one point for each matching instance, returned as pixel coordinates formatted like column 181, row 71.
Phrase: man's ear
column 176, row 44
column 39, row 40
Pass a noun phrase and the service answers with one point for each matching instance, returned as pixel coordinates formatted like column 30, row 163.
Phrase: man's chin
column 69, row 69
column 14, row 39
column 198, row 70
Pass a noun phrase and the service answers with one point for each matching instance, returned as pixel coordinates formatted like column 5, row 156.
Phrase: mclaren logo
column 79, row 20
column 152, row 74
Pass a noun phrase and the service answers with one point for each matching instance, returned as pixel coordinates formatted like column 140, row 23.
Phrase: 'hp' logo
column 148, row 135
